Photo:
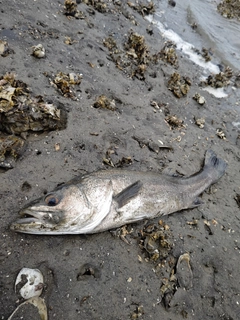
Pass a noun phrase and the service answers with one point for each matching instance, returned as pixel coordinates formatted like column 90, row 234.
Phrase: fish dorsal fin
column 128, row 193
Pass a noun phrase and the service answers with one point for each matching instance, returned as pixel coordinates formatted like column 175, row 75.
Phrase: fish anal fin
column 196, row 202
column 128, row 193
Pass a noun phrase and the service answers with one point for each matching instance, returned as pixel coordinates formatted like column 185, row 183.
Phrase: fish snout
column 35, row 218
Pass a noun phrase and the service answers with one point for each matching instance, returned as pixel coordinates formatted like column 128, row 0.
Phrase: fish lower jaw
column 29, row 224
column 32, row 225
column 28, row 220
column 36, row 228
column 26, row 226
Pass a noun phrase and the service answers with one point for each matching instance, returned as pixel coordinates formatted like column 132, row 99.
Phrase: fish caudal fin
column 214, row 165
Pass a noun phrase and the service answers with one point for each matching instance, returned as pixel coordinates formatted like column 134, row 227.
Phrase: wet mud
column 111, row 73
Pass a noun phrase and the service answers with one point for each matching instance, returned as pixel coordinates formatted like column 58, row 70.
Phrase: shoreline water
column 199, row 14
column 211, row 29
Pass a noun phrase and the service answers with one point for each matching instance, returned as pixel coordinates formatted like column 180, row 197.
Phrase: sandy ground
column 125, row 284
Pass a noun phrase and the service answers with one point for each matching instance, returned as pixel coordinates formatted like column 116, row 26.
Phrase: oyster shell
column 29, row 283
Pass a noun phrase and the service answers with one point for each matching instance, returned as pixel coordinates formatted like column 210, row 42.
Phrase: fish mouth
column 28, row 221
column 30, row 216
column 36, row 220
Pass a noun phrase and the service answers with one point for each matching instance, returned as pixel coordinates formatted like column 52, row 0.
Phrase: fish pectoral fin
column 128, row 193
column 196, row 202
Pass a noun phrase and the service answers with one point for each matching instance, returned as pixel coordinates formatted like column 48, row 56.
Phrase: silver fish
column 108, row 199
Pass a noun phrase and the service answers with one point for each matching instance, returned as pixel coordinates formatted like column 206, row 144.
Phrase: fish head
column 71, row 209
column 56, row 213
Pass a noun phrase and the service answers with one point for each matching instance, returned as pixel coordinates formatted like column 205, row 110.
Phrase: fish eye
column 51, row 200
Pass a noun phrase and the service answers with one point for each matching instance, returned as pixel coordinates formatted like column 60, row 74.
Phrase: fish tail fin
column 216, row 166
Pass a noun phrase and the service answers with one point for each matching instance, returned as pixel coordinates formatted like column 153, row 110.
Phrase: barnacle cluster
column 71, row 10
column 110, row 43
column 134, row 58
column 219, row 80
column 174, row 122
column 5, row 50
column 156, row 241
column 112, row 158
column 98, row 5
column 65, row 82
column 205, row 53
column 179, row 85
column 21, row 113
column 143, row 9
column 168, row 54
column 104, row 103
column 11, row 147
column 200, row 122
column 229, row 9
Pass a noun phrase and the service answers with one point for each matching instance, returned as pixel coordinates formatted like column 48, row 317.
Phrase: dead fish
column 108, row 199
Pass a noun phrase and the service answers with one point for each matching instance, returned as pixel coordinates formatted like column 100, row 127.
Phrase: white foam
column 236, row 124
column 217, row 92
column 184, row 46
column 188, row 49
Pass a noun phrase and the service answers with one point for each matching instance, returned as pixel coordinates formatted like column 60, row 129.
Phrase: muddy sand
column 139, row 124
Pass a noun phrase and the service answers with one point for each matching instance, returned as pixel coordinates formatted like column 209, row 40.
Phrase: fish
column 108, row 199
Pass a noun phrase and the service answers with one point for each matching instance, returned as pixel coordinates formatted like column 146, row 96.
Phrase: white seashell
column 201, row 100
column 34, row 285
column 38, row 51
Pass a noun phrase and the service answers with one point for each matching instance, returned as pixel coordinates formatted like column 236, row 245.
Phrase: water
column 213, row 31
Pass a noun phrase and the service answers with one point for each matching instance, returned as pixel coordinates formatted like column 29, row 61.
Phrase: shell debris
column 29, row 283
column 38, row 51
column 5, row 50
column 200, row 99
